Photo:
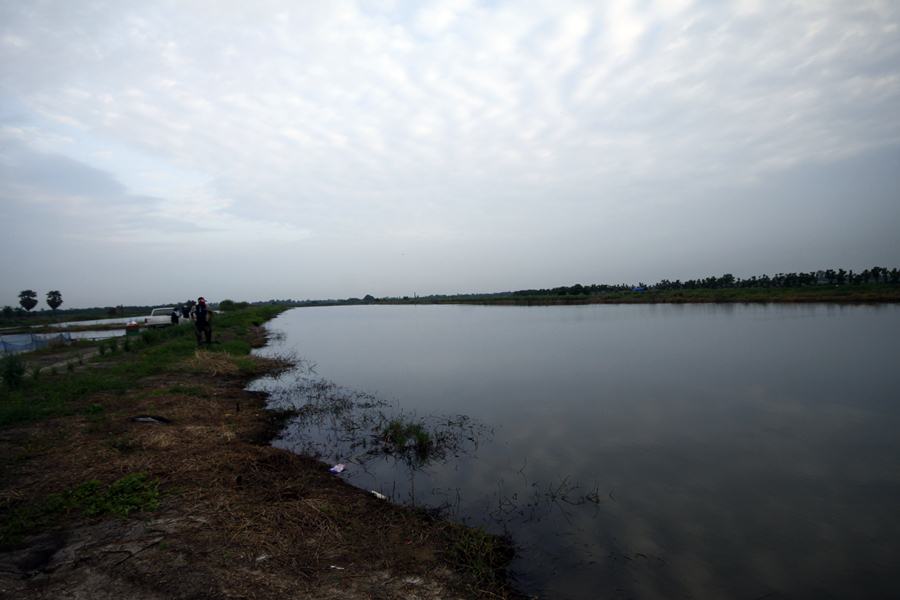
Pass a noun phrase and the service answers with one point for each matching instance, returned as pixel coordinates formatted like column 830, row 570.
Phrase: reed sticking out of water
column 402, row 435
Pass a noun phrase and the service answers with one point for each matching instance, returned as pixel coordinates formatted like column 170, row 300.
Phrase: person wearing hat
column 202, row 318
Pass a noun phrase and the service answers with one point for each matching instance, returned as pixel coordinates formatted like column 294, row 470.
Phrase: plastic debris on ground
column 378, row 495
column 338, row 468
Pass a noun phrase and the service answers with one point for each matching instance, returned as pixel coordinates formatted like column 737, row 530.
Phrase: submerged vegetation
column 402, row 436
column 336, row 423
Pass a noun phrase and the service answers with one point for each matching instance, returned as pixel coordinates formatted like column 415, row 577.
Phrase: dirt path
column 236, row 517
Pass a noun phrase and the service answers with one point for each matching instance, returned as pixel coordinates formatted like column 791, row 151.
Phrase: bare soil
column 237, row 518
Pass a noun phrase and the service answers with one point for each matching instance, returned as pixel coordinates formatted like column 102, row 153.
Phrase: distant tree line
column 827, row 277
column 786, row 280
column 28, row 300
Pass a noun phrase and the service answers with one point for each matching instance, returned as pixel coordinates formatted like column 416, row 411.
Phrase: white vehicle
column 160, row 317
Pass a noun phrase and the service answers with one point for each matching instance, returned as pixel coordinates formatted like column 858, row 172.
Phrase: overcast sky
column 152, row 151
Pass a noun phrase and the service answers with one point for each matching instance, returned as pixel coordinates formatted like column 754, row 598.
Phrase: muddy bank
column 233, row 517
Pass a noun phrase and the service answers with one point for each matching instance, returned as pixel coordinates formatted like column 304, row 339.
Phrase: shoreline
column 243, row 519
column 849, row 295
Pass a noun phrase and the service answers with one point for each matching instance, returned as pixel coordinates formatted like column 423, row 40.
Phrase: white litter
column 338, row 468
column 378, row 495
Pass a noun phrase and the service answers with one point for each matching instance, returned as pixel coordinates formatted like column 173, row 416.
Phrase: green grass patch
column 403, row 435
column 132, row 493
column 154, row 352
column 198, row 391
column 238, row 347
column 12, row 371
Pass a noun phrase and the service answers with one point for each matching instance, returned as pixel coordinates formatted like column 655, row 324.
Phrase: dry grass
column 256, row 522
column 213, row 363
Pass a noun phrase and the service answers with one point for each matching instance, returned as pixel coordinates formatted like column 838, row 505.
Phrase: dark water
column 653, row 451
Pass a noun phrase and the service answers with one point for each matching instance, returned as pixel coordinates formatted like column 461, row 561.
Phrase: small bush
column 126, row 344
column 403, row 436
column 102, row 349
column 12, row 370
column 36, row 372
column 70, row 367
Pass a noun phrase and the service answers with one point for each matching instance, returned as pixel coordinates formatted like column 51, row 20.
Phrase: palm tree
column 54, row 299
column 28, row 299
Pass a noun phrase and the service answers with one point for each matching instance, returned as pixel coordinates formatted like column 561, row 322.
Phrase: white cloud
column 352, row 116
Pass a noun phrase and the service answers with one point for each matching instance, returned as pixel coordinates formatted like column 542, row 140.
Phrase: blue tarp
column 26, row 342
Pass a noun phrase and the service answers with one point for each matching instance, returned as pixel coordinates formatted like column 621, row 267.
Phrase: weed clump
column 481, row 555
column 12, row 370
column 402, row 436
column 132, row 493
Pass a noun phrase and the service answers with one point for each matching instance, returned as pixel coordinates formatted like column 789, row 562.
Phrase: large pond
column 655, row 451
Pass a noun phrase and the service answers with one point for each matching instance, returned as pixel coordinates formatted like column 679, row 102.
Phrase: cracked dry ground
column 236, row 519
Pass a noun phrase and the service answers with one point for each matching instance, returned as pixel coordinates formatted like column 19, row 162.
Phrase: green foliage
column 403, row 435
column 126, row 344
column 54, row 299
column 51, row 396
column 239, row 347
column 101, row 349
column 12, row 370
column 184, row 390
column 132, row 493
column 28, row 299
column 70, row 367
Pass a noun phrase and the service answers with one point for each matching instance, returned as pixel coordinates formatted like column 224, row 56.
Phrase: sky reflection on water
column 703, row 451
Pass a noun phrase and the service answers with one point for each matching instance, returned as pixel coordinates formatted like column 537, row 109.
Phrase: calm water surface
column 654, row 451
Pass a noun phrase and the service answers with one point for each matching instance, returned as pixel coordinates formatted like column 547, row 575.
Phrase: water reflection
column 634, row 451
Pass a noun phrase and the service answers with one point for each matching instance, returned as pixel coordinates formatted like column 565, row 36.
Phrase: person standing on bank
column 202, row 318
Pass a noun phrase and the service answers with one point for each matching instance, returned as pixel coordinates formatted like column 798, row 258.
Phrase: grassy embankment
column 196, row 503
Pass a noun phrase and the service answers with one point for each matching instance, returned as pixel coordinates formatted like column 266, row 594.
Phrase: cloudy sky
column 152, row 151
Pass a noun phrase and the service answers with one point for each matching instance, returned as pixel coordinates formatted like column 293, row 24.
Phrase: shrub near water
column 12, row 370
